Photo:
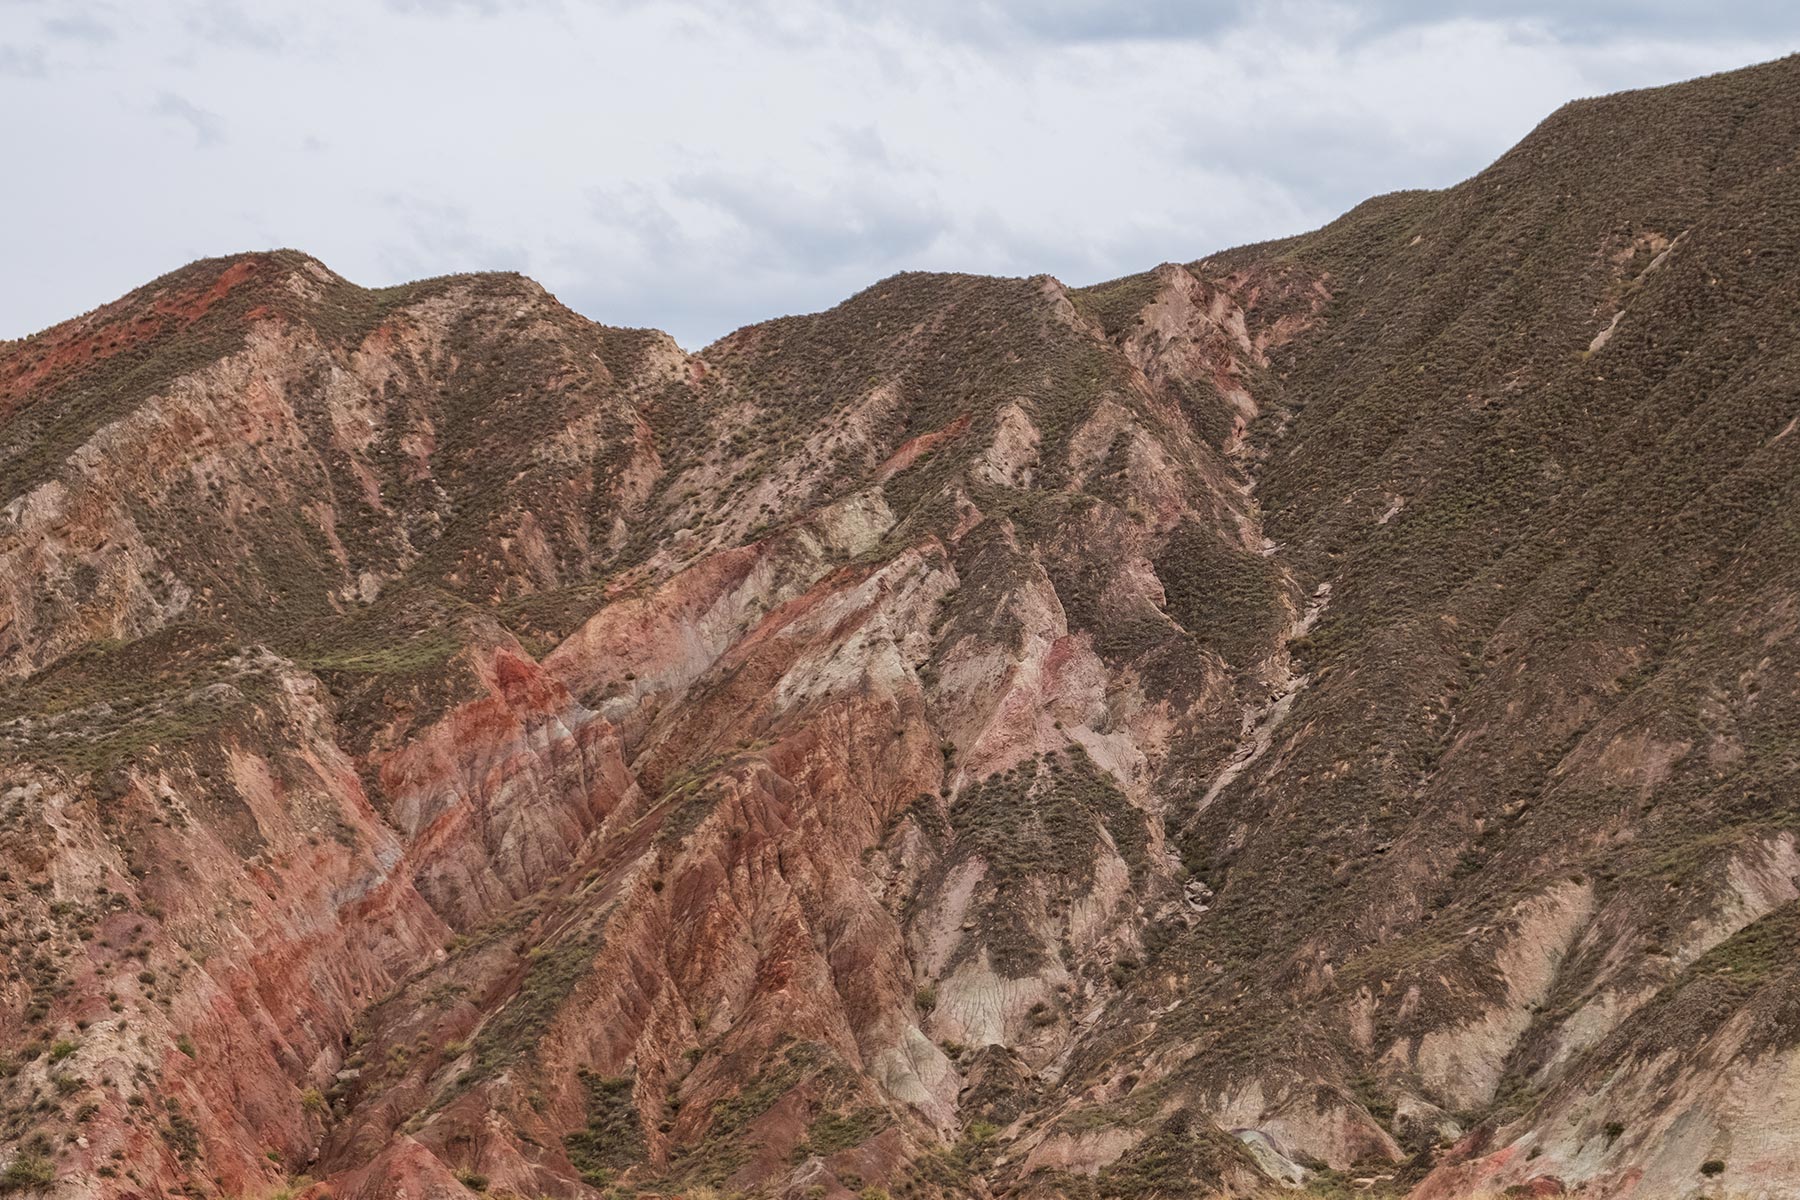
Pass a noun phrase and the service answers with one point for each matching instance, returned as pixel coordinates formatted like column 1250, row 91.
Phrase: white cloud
column 207, row 128
column 702, row 164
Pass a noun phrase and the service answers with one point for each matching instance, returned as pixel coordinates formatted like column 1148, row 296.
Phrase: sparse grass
column 1042, row 821
column 831, row 1132
column 515, row 1029
column 612, row 1139
column 27, row 1172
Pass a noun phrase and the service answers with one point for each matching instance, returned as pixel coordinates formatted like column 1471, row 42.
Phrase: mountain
column 1324, row 718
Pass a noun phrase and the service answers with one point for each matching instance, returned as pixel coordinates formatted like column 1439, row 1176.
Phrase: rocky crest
column 1323, row 717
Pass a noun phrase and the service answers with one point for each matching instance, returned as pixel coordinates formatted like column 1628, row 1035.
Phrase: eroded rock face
column 1200, row 734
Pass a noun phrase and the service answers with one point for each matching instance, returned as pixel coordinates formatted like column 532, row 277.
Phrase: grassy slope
column 1592, row 548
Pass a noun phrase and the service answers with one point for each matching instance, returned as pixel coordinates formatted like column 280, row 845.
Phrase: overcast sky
column 699, row 165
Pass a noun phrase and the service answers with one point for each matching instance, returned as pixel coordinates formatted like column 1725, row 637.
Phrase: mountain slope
column 1326, row 712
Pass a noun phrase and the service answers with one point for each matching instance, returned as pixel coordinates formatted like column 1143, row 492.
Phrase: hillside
column 1322, row 717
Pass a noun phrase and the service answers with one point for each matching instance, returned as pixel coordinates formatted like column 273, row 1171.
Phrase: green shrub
column 27, row 1172
column 612, row 1139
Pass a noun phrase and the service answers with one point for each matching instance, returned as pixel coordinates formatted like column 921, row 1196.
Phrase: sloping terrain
column 1323, row 717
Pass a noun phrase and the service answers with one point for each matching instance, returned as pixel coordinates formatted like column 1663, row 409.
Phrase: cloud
column 439, row 232
column 996, row 23
column 779, row 226
column 1600, row 20
column 208, row 129
column 482, row 8
column 709, row 251
column 80, row 27
column 699, row 164
column 22, row 62
column 1099, row 21
column 863, row 144
column 228, row 23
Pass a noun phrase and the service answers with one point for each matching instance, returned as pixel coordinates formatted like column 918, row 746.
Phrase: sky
column 697, row 165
